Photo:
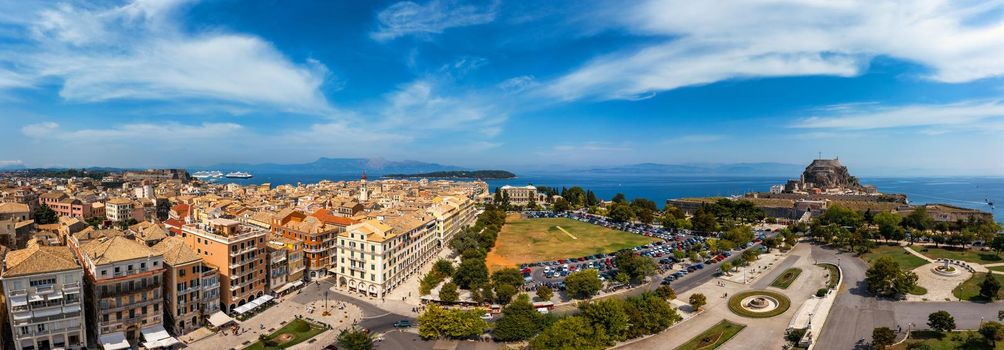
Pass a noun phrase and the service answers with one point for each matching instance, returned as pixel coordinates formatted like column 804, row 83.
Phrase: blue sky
column 890, row 87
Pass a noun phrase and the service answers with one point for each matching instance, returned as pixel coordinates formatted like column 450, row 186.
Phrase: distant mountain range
column 372, row 166
column 735, row 169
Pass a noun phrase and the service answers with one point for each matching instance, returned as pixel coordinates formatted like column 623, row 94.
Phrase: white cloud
column 4, row 163
column 709, row 41
column 138, row 51
column 170, row 131
column 420, row 107
column 937, row 118
column 409, row 18
column 517, row 84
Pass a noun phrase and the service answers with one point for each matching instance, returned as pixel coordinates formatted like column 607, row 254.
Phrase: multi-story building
column 122, row 209
column 51, row 198
column 123, row 287
column 520, row 195
column 191, row 287
column 278, row 265
column 15, row 225
column 318, row 239
column 452, row 215
column 42, row 289
column 238, row 251
column 72, row 207
column 376, row 256
column 294, row 263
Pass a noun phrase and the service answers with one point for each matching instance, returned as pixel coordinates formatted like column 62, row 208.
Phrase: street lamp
column 838, row 262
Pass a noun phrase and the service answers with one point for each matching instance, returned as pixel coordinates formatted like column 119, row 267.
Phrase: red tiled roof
column 181, row 208
column 326, row 217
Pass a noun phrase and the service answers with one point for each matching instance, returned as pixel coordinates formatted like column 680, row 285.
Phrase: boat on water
column 215, row 174
column 238, row 175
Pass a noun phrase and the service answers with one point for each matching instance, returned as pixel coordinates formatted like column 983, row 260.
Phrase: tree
column 997, row 244
column 471, row 272
column 607, row 315
column 570, row 333
column 544, row 293
column 635, row 266
column 704, row 220
column 437, row 322
column 444, row 267
column 507, row 276
column 583, row 284
column 882, row 337
column 621, row 212
column 941, row 321
column 740, row 234
column 841, row 216
column 619, row 198
column 889, row 225
column 649, row 314
column 561, row 205
column 520, row 321
column 726, row 268
column 622, row 277
column 45, row 215
column 990, row 288
column 918, row 219
column 993, row 332
column 449, row 294
column 698, row 300
column 504, row 293
column 665, row 292
column 885, row 278
column 353, row 339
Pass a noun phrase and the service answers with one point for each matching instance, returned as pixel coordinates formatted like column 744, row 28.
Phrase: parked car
column 402, row 324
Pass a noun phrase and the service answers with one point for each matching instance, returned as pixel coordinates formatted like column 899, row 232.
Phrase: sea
column 969, row 192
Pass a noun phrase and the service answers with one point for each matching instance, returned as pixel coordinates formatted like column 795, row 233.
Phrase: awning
column 263, row 299
column 242, row 309
column 114, row 341
column 36, row 297
column 56, row 296
column 284, row 288
column 71, row 308
column 157, row 337
column 219, row 318
column 19, row 301
column 297, row 283
column 19, row 316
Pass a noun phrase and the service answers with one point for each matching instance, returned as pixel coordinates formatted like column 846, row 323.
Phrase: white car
column 487, row 316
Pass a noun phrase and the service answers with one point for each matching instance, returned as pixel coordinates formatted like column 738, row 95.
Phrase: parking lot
column 671, row 254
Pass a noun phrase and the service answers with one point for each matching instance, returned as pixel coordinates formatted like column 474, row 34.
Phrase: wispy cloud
column 418, row 106
column 936, row 118
column 695, row 138
column 409, row 18
column 139, row 51
column 170, row 131
column 708, row 41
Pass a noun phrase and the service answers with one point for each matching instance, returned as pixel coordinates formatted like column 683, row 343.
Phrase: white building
column 42, row 289
column 520, row 195
column 375, row 256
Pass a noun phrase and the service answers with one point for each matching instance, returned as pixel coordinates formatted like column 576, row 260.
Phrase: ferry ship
column 215, row 174
column 238, row 175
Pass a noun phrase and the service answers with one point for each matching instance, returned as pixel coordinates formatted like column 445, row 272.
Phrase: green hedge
column 783, row 304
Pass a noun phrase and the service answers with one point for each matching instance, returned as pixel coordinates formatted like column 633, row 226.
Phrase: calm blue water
column 970, row 192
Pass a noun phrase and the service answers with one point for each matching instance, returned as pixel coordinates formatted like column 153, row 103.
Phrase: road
column 855, row 313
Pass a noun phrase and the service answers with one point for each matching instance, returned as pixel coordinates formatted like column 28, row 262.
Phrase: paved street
column 855, row 313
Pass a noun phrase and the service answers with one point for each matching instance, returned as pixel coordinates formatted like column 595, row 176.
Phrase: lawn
column 292, row 333
column 906, row 260
column 785, row 279
column 713, row 337
column 530, row 240
column 967, row 340
column 997, row 268
column 833, row 273
column 970, row 289
column 968, row 255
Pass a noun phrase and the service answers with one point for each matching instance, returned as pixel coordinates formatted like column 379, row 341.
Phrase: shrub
column 795, row 335
column 822, row 292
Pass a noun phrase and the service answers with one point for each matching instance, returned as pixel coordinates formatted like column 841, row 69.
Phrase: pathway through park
column 566, row 232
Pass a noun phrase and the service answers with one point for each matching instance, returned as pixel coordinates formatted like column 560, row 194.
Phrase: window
column 142, row 265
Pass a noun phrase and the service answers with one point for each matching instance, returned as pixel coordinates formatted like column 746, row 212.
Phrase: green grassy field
column 997, row 268
column 970, row 289
column 530, row 240
column 299, row 330
column 906, row 260
column 969, row 255
column 966, row 340
column 786, row 278
column 713, row 337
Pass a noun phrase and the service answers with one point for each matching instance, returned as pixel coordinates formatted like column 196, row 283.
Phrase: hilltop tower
column 364, row 194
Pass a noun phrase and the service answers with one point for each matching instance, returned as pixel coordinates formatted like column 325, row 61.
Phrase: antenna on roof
column 820, row 155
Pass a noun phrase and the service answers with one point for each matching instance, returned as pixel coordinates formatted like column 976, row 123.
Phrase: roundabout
column 759, row 304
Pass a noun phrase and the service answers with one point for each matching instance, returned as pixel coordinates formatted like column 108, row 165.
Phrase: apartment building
column 452, row 215
column 238, row 251
column 318, row 239
column 376, row 256
column 293, row 261
column 123, row 287
column 122, row 209
column 191, row 286
column 42, row 290
column 72, row 207
column 15, row 224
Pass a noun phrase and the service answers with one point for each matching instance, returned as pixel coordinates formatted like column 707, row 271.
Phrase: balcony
column 111, row 293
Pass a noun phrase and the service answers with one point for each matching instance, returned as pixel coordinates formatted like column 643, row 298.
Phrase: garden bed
column 736, row 300
column 786, row 278
column 714, row 337
column 295, row 332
